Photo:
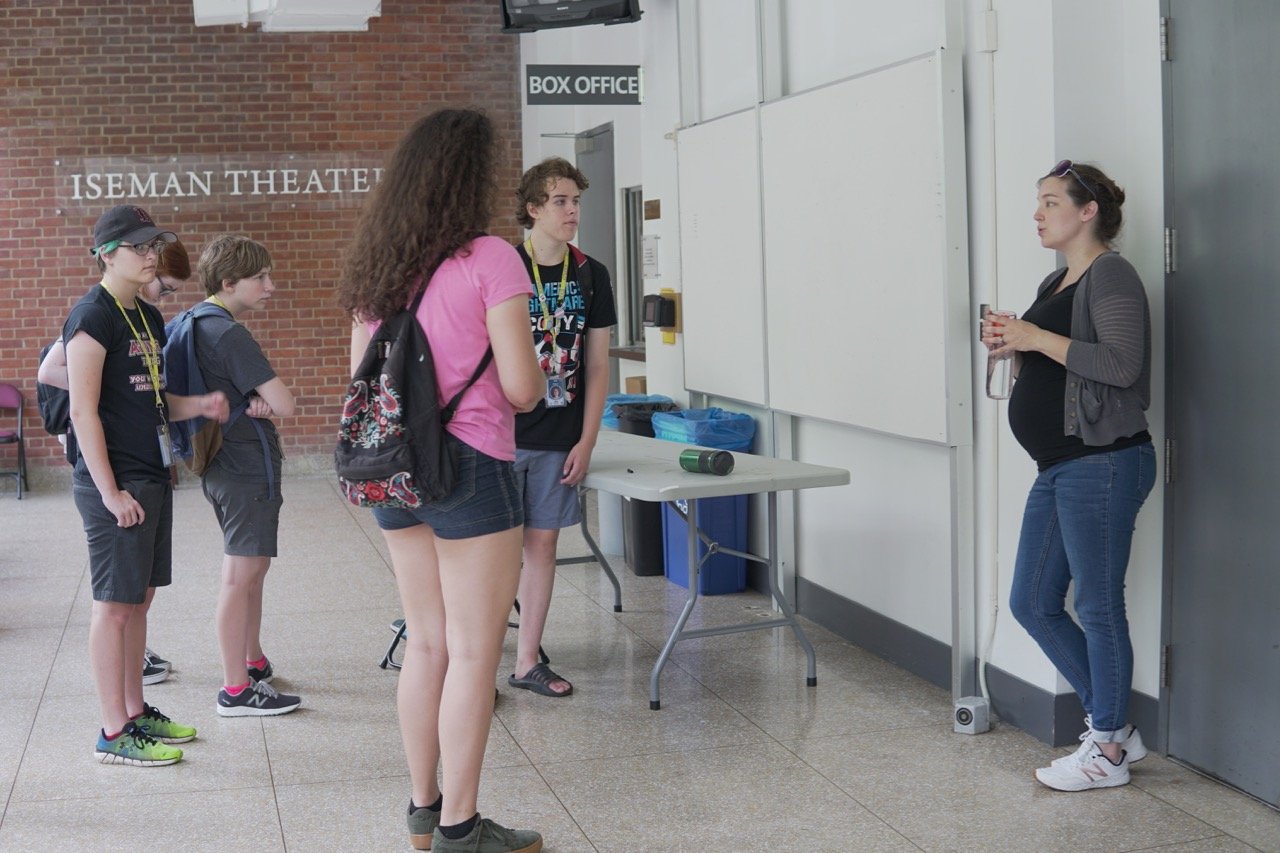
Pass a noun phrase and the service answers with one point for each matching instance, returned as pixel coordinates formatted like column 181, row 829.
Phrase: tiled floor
column 742, row 755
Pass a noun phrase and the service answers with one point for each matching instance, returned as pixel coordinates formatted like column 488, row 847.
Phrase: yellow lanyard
column 150, row 354
column 537, row 280
column 216, row 301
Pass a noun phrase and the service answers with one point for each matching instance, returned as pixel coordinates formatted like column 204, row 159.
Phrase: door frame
column 1170, row 491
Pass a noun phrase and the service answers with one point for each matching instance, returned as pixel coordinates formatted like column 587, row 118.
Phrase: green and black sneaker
column 134, row 746
column 162, row 728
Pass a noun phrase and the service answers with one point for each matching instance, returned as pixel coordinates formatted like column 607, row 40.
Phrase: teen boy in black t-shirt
column 570, row 313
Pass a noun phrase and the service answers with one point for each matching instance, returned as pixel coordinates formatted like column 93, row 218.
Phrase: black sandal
column 539, row 679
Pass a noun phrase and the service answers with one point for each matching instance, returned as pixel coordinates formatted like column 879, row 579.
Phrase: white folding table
column 647, row 469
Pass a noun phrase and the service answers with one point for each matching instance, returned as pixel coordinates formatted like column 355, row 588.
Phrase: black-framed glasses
column 1066, row 167
column 142, row 249
column 166, row 287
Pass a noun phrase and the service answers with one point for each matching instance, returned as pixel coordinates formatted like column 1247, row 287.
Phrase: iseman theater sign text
column 194, row 180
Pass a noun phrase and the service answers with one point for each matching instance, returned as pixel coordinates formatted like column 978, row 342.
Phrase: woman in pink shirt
column 456, row 560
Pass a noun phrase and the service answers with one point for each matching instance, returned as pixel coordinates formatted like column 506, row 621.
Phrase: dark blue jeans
column 1077, row 527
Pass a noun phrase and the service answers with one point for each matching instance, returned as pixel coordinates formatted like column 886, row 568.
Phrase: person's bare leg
column 537, row 580
column 107, row 624
column 135, row 648
column 426, row 658
column 253, row 618
column 478, row 579
column 239, row 577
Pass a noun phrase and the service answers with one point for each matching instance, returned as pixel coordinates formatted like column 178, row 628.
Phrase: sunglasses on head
column 1066, row 167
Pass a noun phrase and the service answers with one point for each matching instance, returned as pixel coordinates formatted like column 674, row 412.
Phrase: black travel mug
column 719, row 462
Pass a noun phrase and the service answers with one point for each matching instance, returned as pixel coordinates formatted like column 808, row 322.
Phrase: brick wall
column 83, row 82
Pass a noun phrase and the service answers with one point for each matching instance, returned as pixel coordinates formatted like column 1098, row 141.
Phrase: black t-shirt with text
column 560, row 344
column 127, row 400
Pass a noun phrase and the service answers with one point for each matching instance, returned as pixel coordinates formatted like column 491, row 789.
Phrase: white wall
column 825, row 41
column 727, row 68
column 1070, row 78
column 884, row 540
column 660, row 116
column 1078, row 79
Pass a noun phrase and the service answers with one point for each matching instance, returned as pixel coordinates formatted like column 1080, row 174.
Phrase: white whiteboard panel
column 863, row 251
column 721, row 272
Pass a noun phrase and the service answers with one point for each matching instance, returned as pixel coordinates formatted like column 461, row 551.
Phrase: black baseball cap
column 127, row 223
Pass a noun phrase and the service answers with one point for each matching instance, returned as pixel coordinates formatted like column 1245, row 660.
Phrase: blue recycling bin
column 722, row 519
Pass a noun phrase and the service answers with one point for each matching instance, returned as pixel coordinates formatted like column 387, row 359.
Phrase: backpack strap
column 266, row 447
column 446, row 414
column 201, row 309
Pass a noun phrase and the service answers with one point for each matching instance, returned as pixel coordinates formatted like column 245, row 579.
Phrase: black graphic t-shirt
column 559, row 339
column 127, row 401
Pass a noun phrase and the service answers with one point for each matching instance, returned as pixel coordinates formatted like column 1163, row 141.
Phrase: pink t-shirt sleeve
column 499, row 272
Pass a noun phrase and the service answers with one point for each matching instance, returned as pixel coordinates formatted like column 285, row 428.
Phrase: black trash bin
column 642, row 541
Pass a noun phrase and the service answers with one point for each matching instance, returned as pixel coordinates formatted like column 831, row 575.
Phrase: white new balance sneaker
column 1132, row 744
column 1091, row 770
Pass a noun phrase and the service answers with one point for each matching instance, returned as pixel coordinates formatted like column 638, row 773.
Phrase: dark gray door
column 1222, row 690
column 597, row 226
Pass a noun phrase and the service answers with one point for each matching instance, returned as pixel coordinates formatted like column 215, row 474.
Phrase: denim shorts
column 548, row 503
column 484, row 500
column 125, row 561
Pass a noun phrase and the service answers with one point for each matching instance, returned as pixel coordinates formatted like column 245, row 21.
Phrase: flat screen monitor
column 527, row 16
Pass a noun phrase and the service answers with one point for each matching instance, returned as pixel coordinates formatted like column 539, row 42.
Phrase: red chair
column 11, row 398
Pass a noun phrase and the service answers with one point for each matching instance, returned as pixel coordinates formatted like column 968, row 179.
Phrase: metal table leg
column 811, row 674
column 598, row 554
column 770, row 563
column 691, row 517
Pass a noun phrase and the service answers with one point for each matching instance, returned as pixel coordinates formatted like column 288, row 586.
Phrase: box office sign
column 185, row 182
column 582, row 84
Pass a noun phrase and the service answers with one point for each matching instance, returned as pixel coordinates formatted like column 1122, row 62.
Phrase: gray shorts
column 249, row 518
column 125, row 561
column 548, row 504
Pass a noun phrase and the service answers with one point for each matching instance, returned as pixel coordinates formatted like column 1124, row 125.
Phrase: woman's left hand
column 1010, row 335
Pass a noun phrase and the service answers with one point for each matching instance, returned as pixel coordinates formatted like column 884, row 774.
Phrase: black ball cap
column 128, row 224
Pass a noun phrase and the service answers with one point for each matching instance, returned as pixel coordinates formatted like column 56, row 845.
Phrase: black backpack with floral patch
column 391, row 439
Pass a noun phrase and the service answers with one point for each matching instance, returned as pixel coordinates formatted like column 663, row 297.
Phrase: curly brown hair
column 535, row 185
column 435, row 196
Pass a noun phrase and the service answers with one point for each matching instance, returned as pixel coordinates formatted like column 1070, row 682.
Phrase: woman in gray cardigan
column 1083, row 353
